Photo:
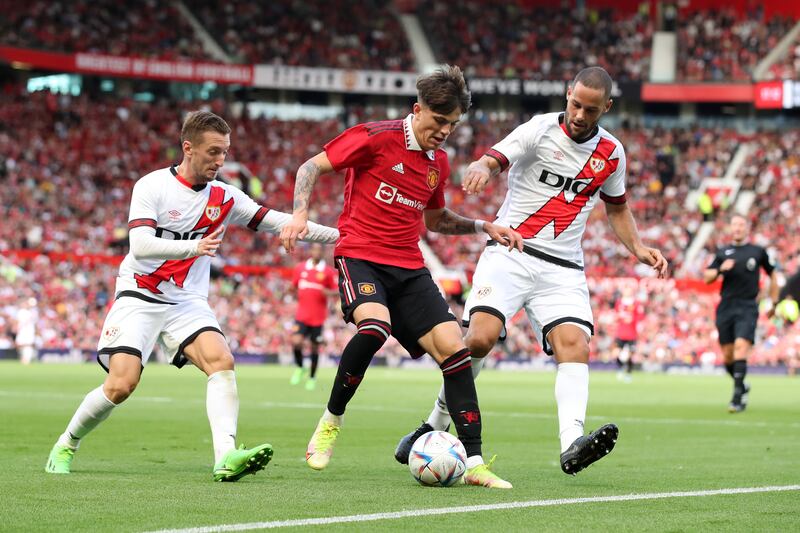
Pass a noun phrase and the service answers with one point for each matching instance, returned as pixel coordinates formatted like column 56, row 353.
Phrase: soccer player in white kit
column 176, row 225
column 560, row 164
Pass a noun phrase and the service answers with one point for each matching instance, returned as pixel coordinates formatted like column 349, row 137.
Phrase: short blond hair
column 199, row 122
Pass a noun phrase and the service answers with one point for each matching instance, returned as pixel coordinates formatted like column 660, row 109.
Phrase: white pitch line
column 383, row 409
column 473, row 509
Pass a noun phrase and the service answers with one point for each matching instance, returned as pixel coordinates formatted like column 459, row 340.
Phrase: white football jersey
column 166, row 202
column 553, row 183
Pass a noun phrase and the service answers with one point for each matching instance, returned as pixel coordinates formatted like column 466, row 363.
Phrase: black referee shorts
column 737, row 319
column 414, row 301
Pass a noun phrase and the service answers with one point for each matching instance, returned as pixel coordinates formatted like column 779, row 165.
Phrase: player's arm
column 306, row 178
column 145, row 245
column 449, row 223
column 717, row 268
column 621, row 220
column 479, row 173
column 277, row 221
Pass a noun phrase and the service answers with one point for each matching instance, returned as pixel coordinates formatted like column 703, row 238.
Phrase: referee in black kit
column 737, row 312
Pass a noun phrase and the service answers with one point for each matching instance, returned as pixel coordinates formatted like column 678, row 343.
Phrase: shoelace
column 326, row 437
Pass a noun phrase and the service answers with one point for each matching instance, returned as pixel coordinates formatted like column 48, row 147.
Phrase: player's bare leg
column 571, row 349
column 446, row 346
column 483, row 333
column 210, row 353
column 123, row 377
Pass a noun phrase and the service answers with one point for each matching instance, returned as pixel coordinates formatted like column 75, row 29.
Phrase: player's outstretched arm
column 624, row 226
column 479, row 173
column 450, row 223
column 276, row 221
column 145, row 245
column 306, row 178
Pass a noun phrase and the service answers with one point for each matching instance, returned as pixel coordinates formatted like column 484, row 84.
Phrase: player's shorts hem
column 563, row 320
column 109, row 350
column 140, row 296
column 490, row 310
column 179, row 360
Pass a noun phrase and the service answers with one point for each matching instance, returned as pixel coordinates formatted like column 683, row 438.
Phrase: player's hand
column 503, row 235
column 654, row 258
column 208, row 245
column 476, row 177
column 296, row 228
column 727, row 265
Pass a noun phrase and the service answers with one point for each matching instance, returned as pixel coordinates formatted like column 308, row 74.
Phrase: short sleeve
column 144, row 205
column 717, row 261
column 517, row 143
column 613, row 190
column 352, row 148
column 246, row 211
column 332, row 279
column 767, row 261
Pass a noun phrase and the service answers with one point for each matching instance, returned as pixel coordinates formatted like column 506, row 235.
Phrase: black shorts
column 414, row 301
column 313, row 333
column 623, row 343
column 737, row 319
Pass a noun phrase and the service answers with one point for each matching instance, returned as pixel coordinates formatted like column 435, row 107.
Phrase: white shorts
column 505, row 282
column 136, row 322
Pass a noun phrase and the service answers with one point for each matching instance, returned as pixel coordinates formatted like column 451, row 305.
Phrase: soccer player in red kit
column 314, row 281
column 628, row 312
column 396, row 171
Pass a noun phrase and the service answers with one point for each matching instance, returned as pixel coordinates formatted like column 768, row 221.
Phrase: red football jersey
column 311, row 281
column 390, row 180
column 629, row 312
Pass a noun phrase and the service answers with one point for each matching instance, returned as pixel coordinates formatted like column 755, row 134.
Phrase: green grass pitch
column 148, row 467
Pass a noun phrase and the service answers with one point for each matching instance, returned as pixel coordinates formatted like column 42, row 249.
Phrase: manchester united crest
column 597, row 165
column 433, row 177
column 213, row 212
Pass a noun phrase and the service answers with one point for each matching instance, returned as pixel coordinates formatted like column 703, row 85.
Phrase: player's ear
column 608, row 105
column 187, row 148
column 417, row 108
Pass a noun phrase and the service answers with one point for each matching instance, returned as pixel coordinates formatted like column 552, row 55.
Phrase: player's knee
column 570, row 346
column 119, row 389
column 480, row 343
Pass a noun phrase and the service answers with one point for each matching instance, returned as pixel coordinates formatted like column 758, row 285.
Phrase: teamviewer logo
column 386, row 193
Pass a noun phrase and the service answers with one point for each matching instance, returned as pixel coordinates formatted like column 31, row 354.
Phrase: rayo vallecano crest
column 213, row 212
column 597, row 165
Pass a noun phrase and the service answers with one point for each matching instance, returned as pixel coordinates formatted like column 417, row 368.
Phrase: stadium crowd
column 538, row 42
column 725, row 44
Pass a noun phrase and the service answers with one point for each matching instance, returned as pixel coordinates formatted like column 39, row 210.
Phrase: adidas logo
column 398, row 168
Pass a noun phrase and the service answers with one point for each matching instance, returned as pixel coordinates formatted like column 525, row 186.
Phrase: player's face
column 432, row 129
column 585, row 106
column 208, row 155
column 316, row 251
column 738, row 229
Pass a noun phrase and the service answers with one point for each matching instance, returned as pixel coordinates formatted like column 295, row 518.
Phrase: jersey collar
column 411, row 139
column 319, row 266
column 182, row 180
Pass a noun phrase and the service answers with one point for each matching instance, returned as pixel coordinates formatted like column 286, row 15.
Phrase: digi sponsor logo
column 367, row 289
column 388, row 195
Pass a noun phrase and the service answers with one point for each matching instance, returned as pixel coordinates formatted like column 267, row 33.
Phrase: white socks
column 331, row 418
column 94, row 408
column 222, row 406
column 440, row 416
column 572, row 396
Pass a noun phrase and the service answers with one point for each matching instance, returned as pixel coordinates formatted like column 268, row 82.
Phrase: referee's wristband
column 479, row 225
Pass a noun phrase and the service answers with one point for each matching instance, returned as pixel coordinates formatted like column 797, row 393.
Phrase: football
column 437, row 459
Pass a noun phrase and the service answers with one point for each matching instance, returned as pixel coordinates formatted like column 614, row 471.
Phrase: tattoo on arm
column 453, row 224
column 306, row 178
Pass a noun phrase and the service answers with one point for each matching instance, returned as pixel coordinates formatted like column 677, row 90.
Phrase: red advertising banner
column 769, row 95
column 130, row 67
column 697, row 92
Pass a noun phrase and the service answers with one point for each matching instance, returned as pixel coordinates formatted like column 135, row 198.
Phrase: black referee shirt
column 741, row 282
